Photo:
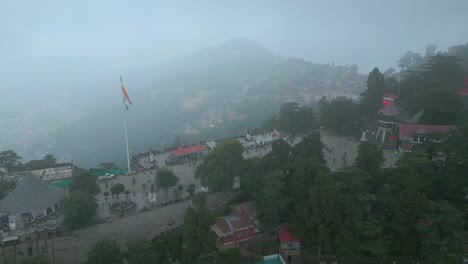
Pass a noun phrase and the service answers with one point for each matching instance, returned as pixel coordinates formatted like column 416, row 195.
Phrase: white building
column 32, row 199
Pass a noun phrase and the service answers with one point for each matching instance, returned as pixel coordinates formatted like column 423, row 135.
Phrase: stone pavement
column 336, row 147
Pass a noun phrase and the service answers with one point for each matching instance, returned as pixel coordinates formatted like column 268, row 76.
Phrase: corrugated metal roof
column 408, row 130
column 286, row 236
column 31, row 194
column 189, row 150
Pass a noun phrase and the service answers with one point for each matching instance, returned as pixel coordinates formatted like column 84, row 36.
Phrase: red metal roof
column 229, row 224
column 285, row 236
column 407, row 130
column 222, row 225
column 243, row 210
column 242, row 217
column 462, row 91
column 189, row 150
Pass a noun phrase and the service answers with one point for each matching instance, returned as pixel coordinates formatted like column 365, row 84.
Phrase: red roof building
column 290, row 246
column 189, row 150
column 410, row 134
column 236, row 227
column 285, row 236
column 186, row 154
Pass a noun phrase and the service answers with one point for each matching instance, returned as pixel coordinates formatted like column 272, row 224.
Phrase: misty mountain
column 214, row 93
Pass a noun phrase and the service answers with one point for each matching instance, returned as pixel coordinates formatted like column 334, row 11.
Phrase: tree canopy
column 79, row 208
column 104, row 252
column 270, row 201
column 198, row 237
column 142, row 251
column 365, row 214
column 9, row 160
column 340, row 115
column 293, row 119
column 221, row 166
column 117, row 189
column 432, row 88
column 369, row 158
column 84, row 181
column 165, row 178
column 372, row 97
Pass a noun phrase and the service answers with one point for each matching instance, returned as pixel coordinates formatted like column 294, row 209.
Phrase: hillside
column 216, row 92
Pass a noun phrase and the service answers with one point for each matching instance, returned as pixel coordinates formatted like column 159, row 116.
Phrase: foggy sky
column 82, row 46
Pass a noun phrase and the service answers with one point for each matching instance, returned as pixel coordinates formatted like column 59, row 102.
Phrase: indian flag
column 126, row 100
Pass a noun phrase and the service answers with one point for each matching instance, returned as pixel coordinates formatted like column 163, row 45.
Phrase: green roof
column 62, row 184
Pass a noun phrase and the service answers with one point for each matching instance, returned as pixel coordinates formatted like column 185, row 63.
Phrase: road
column 143, row 225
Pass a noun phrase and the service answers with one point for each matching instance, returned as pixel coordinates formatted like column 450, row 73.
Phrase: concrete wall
column 57, row 250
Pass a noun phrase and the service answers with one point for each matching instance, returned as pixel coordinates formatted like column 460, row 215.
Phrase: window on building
column 290, row 245
column 30, row 251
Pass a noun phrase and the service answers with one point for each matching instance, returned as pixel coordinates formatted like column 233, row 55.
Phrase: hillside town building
column 52, row 174
column 412, row 134
column 236, row 227
column 31, row 200
column 290, row 246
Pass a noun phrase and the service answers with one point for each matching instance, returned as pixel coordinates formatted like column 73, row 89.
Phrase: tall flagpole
column 125, row 128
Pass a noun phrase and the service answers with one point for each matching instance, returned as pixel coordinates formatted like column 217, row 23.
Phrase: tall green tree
column 322, row 203
column 270, row 201
column 165, row 178
column 191, row 189
column 278, row 157
column 6, row 186
column 371, row 99
column 410, row 61
column 104, row 252
column 9, row 160
column 431, row 88
column 221, row 166
column 441, row 234
column 117, row 189
column 370, row 158
column 341, row 115
column 49, row 160
column 293, row 119
column 84, row 181
column 197, row 235
column 142, row 251
column 79, row 208
column 314, row 216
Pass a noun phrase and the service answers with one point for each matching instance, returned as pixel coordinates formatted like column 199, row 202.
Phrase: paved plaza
column 338, row 147
column 338, row 153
